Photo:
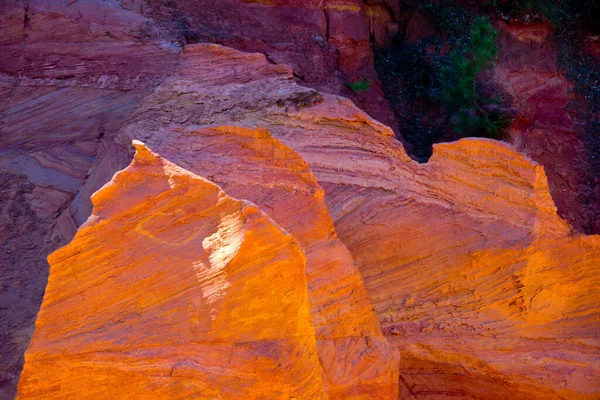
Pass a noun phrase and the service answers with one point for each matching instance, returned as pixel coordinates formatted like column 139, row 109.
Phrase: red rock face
column 382, row 27
column 550, row 125
column 63, row 89
column 484, row 290
column 326, row 43
column 592, row 46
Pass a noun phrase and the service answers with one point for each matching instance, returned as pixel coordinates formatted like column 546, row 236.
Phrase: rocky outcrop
column 472, row 273
column 473, row 299
column 356, row 359
column 483, row 288
column 335, row 33
column 554, row 121
column 60, row 130
column 490, row 248
column 171, row 289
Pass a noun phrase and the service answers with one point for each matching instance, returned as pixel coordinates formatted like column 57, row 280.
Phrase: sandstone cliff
column 173, row 287
column 464, row 258
column 210, row 300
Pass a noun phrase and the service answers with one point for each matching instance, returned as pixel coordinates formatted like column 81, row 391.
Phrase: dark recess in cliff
column 567, row 147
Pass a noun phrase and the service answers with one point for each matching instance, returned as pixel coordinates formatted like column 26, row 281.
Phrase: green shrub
column 472, row 115
column 359, row 86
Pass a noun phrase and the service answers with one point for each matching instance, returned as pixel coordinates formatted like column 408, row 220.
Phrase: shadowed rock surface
column 554, row 123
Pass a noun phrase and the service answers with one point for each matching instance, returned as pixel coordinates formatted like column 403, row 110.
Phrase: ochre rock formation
column 356, row 359
column 475, row 228
column 485, row 291
column 174, row 289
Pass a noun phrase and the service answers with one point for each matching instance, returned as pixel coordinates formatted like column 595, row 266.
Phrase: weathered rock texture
column 70, row 74
column 554, row 121
column 484, row 289
column 469, row 268
column 491, row 248
column 174, row 289
column 356, row 359
column 326, row 43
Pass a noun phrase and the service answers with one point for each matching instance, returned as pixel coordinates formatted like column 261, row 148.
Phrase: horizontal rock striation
column 336, row 34
column 70, row 75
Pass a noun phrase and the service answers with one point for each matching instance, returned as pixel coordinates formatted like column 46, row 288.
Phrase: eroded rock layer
column 356, row 359
column 326, row 43
column 71, row 72
column 465, row 259
column 173, row 289
column 473, row 276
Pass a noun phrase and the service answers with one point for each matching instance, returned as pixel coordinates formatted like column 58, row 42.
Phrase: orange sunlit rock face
column 276, row 242
column 172, row 289
column 356, row 358
column 471, row 271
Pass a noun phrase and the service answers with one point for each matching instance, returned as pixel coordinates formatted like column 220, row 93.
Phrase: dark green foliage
column 410, row 83
column 483, row 50
column 432, row 83
column 459, row 75
column 472, row 115
column 359, row 86
column 475, row 122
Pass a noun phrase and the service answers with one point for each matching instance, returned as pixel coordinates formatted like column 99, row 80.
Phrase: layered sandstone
column 170, row 289
column 356, row 359
column 465, row 259
column 64, row 91
column 484, row 289
column 326, row 43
